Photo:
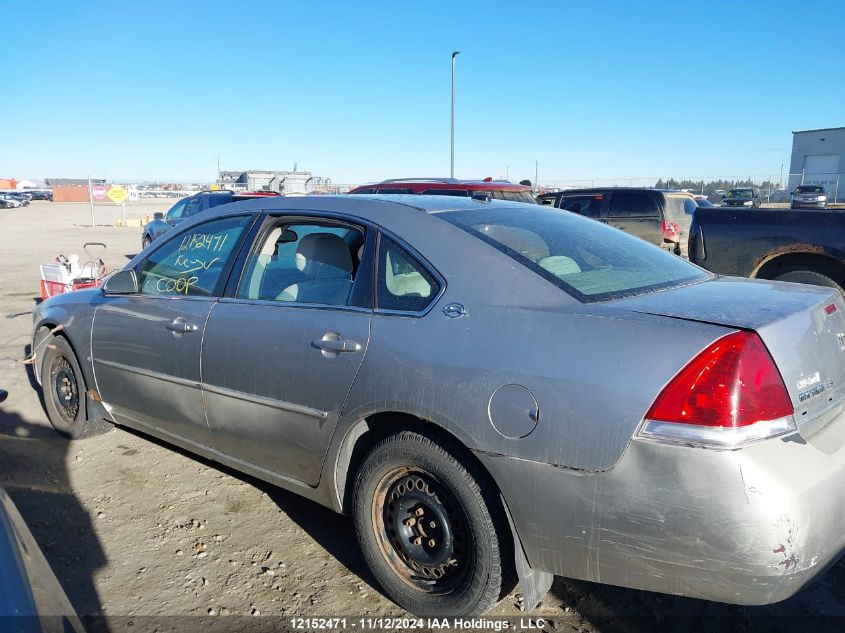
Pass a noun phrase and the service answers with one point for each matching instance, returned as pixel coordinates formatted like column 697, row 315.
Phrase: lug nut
column 420, row 512
column 417, row 540
column 431, row 542
column 432, row 525
column 411, row 522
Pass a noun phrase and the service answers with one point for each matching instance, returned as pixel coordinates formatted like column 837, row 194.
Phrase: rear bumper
column 751, row 526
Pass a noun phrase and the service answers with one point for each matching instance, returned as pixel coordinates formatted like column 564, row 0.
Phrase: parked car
column 189, row 206
column 23, row 198
column 494, row 189
column 9, row 201
column 742, row 197
column 658, row 217
column 32, row 599
column 485, row 387
column 798, row 246
column 809, row 196
column 40, row 194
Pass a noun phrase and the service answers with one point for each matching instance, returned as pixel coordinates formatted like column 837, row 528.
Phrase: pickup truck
column 788, row 245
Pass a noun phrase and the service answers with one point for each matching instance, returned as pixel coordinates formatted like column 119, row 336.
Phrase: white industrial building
column 285, row 182
column 817, row 160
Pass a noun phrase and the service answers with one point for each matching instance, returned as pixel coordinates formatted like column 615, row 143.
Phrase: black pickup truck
column 800, row 246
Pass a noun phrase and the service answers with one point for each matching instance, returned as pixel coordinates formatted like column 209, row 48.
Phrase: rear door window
column 458, row 193
column 633, row 204
column 511, row 196
column 305, row 262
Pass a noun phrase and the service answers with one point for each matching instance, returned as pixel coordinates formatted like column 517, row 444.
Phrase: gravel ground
column 140, row 533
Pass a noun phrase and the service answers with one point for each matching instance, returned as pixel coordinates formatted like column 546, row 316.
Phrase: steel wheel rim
column 65, row 388
column 421, row 530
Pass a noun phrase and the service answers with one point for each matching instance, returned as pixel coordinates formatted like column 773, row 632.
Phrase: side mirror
column 122, row 282
column 158, row 215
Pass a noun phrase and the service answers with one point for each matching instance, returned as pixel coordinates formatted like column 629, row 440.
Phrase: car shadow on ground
column 332, row 531
column 818, row 607
column 34, row 472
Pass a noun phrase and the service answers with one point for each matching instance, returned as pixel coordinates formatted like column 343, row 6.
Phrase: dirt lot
column 139, row 532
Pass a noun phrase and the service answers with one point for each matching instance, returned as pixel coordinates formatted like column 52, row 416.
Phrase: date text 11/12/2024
column 411, row 623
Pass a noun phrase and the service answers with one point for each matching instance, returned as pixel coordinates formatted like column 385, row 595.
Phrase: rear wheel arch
column 368, row 431
column 782, row 263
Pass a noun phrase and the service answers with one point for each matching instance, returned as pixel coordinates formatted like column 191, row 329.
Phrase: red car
column 496, row 189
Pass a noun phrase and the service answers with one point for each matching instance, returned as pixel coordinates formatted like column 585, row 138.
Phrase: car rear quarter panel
column 593, row 371
column 745, row 527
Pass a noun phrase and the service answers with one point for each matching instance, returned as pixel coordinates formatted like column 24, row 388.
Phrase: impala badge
column 803, row 383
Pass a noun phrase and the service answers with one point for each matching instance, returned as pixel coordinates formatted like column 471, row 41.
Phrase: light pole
column 452, row 171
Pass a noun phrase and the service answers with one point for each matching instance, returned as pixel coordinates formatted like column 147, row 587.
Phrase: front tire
column 431, row 527
column 63, row 387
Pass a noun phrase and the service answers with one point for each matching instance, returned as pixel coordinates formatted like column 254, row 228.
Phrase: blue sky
column 360, row 91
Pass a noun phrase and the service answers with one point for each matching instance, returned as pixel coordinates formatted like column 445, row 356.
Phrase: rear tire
column 432, row 527
column 811, row 277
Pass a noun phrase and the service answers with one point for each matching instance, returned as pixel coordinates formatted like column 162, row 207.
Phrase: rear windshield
column 587, row 259
column 806, row 189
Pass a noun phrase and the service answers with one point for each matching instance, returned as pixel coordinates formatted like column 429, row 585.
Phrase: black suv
column 660, row 217
column 187, row 207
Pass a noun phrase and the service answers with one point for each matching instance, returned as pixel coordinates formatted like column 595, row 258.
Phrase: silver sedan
column 492, row 390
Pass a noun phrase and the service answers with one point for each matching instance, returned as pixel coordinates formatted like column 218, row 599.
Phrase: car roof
column 358, row 205
column 422, row 184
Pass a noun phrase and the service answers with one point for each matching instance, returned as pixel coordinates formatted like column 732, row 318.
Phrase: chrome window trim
column 293, row 304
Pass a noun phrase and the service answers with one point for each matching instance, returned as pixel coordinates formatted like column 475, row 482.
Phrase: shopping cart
column 65, row 274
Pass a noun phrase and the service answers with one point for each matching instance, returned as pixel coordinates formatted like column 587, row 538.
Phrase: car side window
column 589, row 206
column 305, row 263
column 193, row 263
column 175, row 212
column 193, row 207
column 633, row 203
column 403, row 283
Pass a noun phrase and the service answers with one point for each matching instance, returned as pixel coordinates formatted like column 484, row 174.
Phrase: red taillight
column 733, row 383
column 670, row 231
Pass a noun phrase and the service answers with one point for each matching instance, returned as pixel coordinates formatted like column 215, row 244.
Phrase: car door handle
column 336, row 346
column 180, row 326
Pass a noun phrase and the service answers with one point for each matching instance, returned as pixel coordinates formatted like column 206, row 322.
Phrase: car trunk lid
column 802, row 326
